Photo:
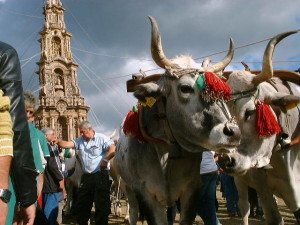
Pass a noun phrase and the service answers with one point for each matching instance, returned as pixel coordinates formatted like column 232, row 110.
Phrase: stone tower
column 61, row 106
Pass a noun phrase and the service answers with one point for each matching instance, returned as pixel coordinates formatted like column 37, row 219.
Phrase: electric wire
column 105, row 83
column 93, row 83
column 21, row 14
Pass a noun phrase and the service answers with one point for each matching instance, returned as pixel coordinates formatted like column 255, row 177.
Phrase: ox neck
column 171, row 140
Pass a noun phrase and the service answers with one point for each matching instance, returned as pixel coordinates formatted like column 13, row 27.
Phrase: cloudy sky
column 111, row 40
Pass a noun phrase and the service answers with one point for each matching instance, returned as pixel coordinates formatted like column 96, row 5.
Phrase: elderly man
column 54, row 179
column 94, row 150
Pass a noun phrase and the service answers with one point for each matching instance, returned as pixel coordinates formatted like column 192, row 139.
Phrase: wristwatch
column 5, row 195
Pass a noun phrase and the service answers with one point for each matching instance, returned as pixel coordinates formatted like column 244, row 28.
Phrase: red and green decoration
column 266, row 122
column 214, row 88
column 131, row 126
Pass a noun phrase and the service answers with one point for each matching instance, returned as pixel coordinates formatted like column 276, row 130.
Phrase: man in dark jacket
column 53, row 179
column 22, row 168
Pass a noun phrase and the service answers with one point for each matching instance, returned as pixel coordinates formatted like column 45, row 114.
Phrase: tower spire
column 54, row 3
column 61, row 106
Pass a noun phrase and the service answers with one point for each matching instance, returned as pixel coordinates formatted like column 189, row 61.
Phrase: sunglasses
column 29, row 111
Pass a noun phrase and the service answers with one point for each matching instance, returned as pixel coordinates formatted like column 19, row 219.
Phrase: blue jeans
column 230, row 193
column 50, row 207
column 206, row 207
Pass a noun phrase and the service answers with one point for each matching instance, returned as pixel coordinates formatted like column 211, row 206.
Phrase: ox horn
column 113, row 134
column 267, row 68
column 157, row 51
column 220, row 66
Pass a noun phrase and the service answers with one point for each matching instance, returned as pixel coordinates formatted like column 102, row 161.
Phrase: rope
column 95, row 118
column 29, row 59
column 243, row 46
column 90, row 79
column 107, row 85
column 112, row 56
column 21, row 14
column 69, row 10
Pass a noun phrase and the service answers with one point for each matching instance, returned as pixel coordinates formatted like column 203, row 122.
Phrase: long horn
column 221, row 65
column 157, row 51
column 267, row 68
column 113, row 134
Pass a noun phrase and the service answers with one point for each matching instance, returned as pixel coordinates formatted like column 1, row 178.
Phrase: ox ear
column 147, row 90
column 284, row 102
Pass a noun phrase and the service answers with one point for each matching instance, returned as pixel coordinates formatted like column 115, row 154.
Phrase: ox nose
column 226, row 162
column 232, row 130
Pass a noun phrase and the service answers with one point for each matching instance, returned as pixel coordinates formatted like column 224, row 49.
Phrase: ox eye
column 186, row 89
column 249, row 113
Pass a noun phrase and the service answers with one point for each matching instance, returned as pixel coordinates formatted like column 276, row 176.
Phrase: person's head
column 86, row 130
column 31, row 105
column 49, row 133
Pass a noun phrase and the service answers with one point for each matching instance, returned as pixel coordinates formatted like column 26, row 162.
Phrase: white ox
column 71, row 182
column 255, row 151
column 181, row 119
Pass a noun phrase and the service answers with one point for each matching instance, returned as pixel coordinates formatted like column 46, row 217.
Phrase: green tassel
column 134, row 108
column 201, row 82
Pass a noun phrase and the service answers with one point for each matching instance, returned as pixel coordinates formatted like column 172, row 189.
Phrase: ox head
column 193, row 120
column 248, row 89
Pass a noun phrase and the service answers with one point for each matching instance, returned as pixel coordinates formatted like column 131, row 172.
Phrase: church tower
column 61, row 106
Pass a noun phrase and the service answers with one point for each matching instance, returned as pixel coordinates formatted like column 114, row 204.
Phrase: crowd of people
column 207, row 203
column 32, row 177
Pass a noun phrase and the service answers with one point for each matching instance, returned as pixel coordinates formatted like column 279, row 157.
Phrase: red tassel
column 216, row 87
column 266, row 122
column 131, row 126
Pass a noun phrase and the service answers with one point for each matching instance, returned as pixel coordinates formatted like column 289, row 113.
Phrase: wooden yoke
column 286, row 75
column 131, row 84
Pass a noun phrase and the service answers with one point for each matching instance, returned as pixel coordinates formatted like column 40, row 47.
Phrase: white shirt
column 208, row 163
column 92, row 152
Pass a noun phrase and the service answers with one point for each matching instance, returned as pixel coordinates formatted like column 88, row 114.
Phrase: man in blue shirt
column 93, row 150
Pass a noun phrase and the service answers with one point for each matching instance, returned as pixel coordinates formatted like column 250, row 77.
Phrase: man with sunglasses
column 38, row 140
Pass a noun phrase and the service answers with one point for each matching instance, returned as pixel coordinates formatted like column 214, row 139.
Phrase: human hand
column 24, row 215
column 3, row 212
column 54, row 141
column 103, row 164
column 65, row 194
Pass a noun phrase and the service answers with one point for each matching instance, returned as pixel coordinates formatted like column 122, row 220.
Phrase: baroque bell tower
column 61, row 106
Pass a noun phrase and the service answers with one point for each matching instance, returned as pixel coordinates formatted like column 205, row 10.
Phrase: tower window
column 56, row 46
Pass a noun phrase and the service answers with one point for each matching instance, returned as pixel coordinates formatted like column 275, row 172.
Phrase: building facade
column 61, row 105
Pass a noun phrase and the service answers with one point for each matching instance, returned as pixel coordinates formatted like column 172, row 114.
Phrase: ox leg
column 127, row 211
column 133, row 206
column 67, row 207
column 270, row 208
column 188, row 203
column 244, row 205
column 154, row 211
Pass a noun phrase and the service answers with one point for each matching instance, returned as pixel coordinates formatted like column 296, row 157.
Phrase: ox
column 182, row 118
column 117, row 191
column 257, row 152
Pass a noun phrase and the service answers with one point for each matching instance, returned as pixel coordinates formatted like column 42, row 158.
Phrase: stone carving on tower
column 61, row 106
